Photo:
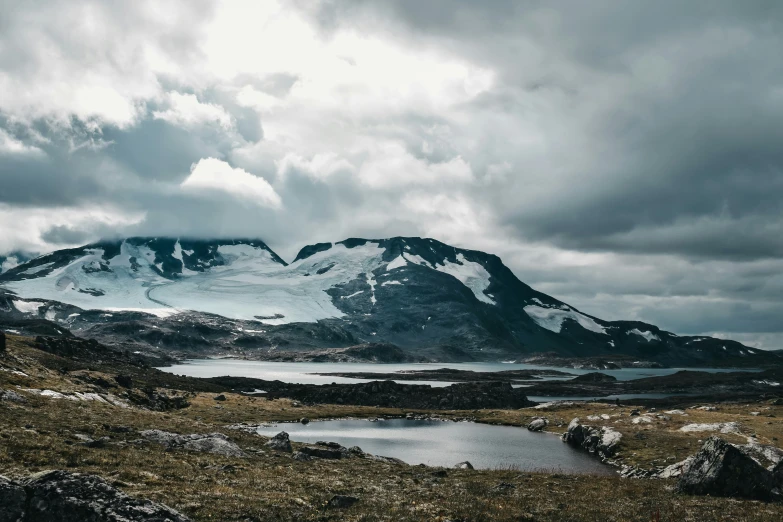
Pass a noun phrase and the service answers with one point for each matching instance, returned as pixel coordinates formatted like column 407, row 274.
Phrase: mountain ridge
column 420, row 294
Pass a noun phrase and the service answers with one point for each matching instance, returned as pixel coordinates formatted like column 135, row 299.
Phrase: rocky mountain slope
column 426, row 297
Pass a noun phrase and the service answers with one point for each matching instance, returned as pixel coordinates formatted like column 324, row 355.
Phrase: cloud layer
column 622, row 157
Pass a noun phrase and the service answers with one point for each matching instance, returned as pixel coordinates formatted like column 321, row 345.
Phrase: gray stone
column 298, row 455
column 12, row 501
column 304, row 420
column 11, row 396
column 220, row 397
column 342, row 501
column 322, row 453
column 604, row 441
column 463, row 465
column 280, row 442
column 216, row 443
column 73, row 497
column 537, row 424
column 720, row 469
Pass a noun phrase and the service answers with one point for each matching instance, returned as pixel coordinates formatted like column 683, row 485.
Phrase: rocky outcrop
column 538, row 424
column 280, row 442
column 460, row 396
column 463, row 465
column 12, row 501
column 11, row 396
column 777, row 474
column 720, row 469
column 2, row 341
column 602, row 441
column 216, row 443
column 73, row 497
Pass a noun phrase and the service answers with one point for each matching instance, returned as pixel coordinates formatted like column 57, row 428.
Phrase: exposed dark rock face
column 280, row 442
column 470, row 395
column 12, row 501
column 87, row 350
column 777, row 474
column 321, row 452
column 2, row 341
column 463, row 465
column 73, row 497
column 720, row 469
column 216, row 443
column 601, row 441
column 342, row 501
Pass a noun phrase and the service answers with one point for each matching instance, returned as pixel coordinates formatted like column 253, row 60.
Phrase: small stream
column 445, row 443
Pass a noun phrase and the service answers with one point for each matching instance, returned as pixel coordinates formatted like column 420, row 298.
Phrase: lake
column 304, row 372
column 445, row 443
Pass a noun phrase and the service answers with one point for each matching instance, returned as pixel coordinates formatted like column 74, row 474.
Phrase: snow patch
column 27, row 307
column 390, row 283
column 552, row 319
column 397, row 262
column 471, row 274
column 649, row 336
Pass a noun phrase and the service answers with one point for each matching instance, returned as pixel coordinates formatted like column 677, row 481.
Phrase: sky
column 624, row 157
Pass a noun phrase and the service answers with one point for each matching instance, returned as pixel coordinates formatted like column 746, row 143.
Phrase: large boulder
column 604, row 440
column 12, row 501
column 73, row 497
column 720, row 469
column 537, row 424
column 777, row 475
column 321, row 452
column 2, row 341
column 280, row 442
column 216, row 443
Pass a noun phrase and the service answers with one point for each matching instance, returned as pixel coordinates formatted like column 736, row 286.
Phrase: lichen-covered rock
column 216, row 443
column 537, row 424
column 11, row 396
column 603, row 441
column 73, row 497
column 720, row 469
column 12, row 501
column 280, row 442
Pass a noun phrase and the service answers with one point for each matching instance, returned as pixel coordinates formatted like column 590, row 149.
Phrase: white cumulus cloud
column 213, row 174
column 184, row 110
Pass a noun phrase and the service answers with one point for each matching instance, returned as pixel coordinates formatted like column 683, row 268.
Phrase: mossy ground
column 40, row 434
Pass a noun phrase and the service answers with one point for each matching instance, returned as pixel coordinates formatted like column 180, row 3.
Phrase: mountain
column 428, row 298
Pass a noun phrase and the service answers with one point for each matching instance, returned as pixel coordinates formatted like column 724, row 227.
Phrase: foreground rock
column 720, row 469
column 537, row 424
column 12, row 501
column 602, row 441
column 280, row 442
column 216, row 443
column 73, row 497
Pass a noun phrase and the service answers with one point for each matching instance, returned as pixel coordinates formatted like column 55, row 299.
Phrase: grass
column 266, row 486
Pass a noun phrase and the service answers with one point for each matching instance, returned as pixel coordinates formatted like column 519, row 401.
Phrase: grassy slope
column 267, row 486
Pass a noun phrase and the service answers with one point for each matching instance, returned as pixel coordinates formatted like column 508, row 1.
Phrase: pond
column 445, row 443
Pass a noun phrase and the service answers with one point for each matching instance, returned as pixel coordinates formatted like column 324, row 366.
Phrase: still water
column 445, row 443
column 305, row 372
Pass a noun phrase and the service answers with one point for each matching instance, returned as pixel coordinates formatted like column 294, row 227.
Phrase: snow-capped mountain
column 422, row 295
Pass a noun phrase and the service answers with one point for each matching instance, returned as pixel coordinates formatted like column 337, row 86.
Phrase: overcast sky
column 625, row 157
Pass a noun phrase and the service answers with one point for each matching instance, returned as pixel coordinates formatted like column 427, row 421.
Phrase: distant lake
column 303, row 372
column 445, row 443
